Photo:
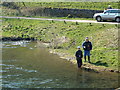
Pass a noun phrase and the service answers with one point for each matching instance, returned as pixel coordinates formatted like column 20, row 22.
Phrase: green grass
column 66, row 36
column 75, row 5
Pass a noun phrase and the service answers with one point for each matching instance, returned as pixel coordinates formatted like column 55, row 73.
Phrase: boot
column 85, row 58
column 89, row 59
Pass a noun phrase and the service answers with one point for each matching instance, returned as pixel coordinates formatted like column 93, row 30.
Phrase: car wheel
column 117, row 19
column 99, row 19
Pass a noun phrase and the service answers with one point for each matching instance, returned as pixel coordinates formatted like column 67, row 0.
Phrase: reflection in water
column 27, row 66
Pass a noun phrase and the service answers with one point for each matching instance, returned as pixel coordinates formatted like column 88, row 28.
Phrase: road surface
column 67, row 20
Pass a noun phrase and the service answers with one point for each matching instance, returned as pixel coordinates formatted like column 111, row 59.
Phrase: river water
column 26, row 66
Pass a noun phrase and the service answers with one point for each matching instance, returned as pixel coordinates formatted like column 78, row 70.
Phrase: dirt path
column 67, row 20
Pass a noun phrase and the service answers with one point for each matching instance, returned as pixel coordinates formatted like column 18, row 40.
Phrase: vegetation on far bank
column 70, row 5
column 33, row 8
column 66, row 36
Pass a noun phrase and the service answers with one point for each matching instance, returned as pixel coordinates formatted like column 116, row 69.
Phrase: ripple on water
column 6, row 65
column 30, row 48
column 9, row 60
column 1, row 71
column 25, row 82
column 9, row 47
column 8, row 68
column 11, row 85
column 21, row 43
column 25, row 70
column 13, row 67
column 7, row 76
column 30, row 70
column 14, row 44
column 46, row 81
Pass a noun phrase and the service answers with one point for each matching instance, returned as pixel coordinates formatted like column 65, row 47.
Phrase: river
column 24, row 65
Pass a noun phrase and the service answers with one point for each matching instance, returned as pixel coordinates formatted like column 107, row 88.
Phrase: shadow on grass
column 99, row 63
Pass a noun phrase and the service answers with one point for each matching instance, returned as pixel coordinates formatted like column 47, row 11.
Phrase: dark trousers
column 79, row 62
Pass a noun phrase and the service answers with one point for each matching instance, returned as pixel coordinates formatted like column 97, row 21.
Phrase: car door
column 105, row 15
column 112, row 14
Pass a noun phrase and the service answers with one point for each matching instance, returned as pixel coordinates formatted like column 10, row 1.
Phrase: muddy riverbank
column 86, row 66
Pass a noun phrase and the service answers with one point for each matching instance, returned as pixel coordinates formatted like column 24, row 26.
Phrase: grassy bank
column 66, row 36
column 70, row 5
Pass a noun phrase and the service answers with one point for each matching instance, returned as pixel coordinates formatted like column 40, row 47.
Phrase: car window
column 107, row 11
column 114, row 11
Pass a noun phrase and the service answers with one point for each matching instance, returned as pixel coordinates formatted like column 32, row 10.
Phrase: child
column 79, row 56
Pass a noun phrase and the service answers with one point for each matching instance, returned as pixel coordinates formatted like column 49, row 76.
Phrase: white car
column 109, row 14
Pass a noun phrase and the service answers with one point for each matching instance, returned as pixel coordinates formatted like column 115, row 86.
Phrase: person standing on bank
column 87, row 46
column 109, row 7
column 79, row 56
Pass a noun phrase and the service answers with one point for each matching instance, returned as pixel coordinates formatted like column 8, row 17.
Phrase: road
column 67, row 20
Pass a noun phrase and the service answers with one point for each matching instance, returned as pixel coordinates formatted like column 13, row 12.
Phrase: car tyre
column 99, row 19
column 117, row 19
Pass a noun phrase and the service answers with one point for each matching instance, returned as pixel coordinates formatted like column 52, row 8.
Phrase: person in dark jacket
column 87, row 46
column 109, row 7
column 79, row 56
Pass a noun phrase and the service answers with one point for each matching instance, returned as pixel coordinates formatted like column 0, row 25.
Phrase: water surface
column 27, row 66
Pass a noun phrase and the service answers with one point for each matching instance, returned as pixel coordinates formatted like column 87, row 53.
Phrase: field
column 66, row 36
column 73, row 5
